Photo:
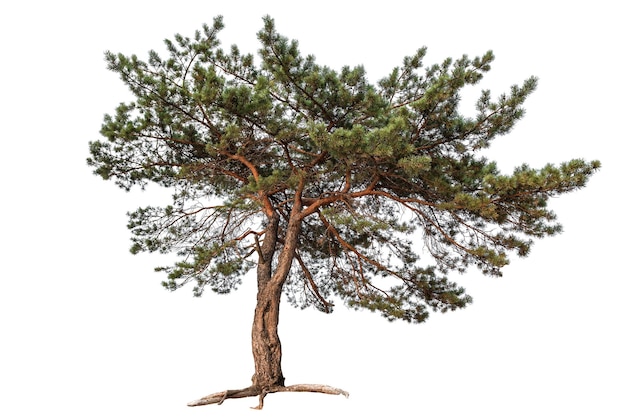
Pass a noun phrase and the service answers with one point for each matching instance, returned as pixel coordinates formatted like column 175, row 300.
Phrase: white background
column 87, row 331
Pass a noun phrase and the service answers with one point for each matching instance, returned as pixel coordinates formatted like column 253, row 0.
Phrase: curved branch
column 312, row 284
column 243, row 160
column 360, row 256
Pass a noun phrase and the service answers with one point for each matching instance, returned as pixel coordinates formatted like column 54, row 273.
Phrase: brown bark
column 266, row 348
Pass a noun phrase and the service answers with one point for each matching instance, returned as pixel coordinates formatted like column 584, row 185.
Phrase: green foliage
column 360, row 167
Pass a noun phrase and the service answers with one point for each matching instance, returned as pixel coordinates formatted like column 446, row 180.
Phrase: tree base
column 219, row 397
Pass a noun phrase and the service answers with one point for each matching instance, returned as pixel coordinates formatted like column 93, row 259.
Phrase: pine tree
column 316, row 178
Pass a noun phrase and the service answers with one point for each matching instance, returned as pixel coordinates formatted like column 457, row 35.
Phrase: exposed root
column 261, row 398
column 220, row 397
column 329, row 390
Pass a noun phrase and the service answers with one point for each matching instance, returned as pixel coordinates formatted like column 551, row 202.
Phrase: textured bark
column 266, row 348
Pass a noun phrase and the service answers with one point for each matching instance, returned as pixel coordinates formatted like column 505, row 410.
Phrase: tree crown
column 367, row 166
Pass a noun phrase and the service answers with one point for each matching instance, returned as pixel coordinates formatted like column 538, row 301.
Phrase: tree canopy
column 320, row 179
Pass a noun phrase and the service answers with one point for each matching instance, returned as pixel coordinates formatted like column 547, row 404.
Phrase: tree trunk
column 266, row 349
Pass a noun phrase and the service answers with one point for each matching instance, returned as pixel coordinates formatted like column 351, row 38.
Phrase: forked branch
column 220, row 397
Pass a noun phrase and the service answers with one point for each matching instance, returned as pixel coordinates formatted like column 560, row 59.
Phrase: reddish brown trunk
column 266, row 347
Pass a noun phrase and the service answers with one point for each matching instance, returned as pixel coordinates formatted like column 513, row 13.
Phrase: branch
column 243, row 160
column 309, row 277
column 308, row 95
column 313, row 204
column 346, row 245
column 407, row 102
column 258, row 249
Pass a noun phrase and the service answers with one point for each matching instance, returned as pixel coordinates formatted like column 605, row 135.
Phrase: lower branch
column 219, row 397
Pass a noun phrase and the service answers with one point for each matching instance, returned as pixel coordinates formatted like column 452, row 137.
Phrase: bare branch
column 312, row 283
column 353, row 249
